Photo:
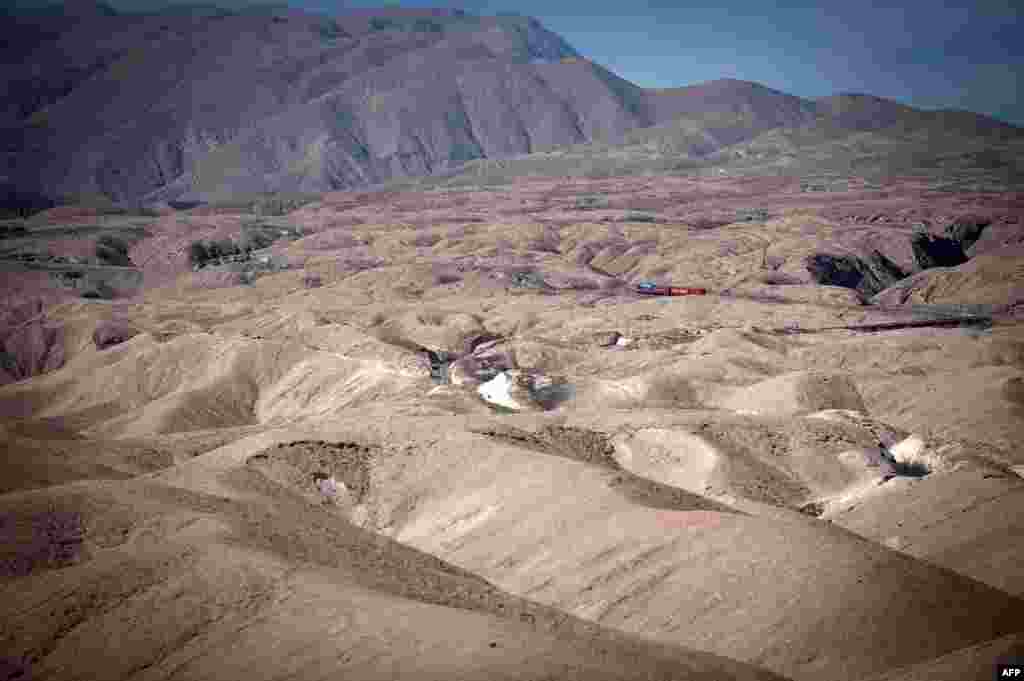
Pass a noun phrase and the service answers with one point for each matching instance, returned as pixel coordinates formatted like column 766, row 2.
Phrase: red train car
column 650, row 289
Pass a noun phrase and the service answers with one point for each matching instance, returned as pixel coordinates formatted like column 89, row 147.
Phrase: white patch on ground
column 915, row 450
column 838, row 415
column 909, row 449
column 498, row 391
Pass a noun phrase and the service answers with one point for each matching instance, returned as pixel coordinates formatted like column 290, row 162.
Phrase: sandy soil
column 266, row 482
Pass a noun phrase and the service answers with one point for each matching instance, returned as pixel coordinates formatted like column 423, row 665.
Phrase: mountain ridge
column 192, row 105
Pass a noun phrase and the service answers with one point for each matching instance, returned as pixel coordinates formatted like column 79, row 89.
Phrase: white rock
column 908, row 449
column 623, row 341
column 498, row 391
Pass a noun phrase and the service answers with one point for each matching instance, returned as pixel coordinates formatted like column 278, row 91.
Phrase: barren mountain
column 164, row 92
column 207, row 103
column 821, row 141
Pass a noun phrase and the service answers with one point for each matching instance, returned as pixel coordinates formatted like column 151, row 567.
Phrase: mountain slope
column 419, row 120
column 201, row 102
column 766, row 108
column 938, row 145
column 166, row 90
column 879, row 141
column 858, row 112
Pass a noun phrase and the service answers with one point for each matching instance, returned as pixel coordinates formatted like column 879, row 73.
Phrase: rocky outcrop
column 936, row 251
column 866, row 274
column 111, row 333
column 999, row 237
column 953, row 249
column 836, row 270
column 967, row 230
column 111, row 250
column 485, row 356
column 34, row 348
column 986, row 281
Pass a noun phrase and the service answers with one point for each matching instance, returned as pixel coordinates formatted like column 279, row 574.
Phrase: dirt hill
column 312, row 471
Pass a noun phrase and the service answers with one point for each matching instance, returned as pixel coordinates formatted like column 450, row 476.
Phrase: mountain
column 955, row 149
column 386, row 92
column 765, row 107
column 878, row 138
column 865, row 112
column 195, row 102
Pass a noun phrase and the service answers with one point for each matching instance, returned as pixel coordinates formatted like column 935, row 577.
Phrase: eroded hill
column 314, row 470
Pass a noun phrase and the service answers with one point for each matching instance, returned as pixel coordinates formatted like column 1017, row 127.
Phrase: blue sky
column 926, row 53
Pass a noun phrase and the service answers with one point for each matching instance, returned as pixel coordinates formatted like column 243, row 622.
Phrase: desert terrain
column 438, row 434
column 334, row 347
